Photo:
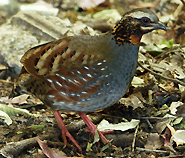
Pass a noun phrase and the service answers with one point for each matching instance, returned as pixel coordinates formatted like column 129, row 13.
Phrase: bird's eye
column 145, row 20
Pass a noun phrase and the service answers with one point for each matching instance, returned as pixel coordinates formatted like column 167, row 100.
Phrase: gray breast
column 122, row 70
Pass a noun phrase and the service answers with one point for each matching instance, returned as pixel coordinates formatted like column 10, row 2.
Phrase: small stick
column 148, row 150
column 134, row 139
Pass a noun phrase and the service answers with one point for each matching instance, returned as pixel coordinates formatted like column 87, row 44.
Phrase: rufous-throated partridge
column 86, row 73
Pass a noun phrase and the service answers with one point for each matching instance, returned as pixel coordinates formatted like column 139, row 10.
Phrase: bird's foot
column 93, row 128
column 64, row 131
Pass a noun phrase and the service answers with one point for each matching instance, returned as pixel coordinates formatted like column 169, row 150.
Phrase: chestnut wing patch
column 70, row 74
column 39, row 60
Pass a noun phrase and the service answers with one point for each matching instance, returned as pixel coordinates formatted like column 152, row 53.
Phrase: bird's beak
column 159, row 25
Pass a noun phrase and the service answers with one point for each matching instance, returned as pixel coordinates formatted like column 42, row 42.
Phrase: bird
column 84, row 73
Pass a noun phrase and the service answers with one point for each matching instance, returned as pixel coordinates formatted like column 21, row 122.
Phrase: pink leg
column 64, row 131
column 92, row 127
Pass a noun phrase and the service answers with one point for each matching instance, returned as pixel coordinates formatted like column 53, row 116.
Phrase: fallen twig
column 166, row 78
column 13, row 149
column 148, row 150
column 134, row 139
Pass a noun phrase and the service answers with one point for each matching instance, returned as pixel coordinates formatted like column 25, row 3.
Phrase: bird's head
column 134, row 24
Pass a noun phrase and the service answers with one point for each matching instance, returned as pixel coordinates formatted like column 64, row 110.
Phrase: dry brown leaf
column 153, row 142
column 48, row 152
column 135, row 100
column 22, row 99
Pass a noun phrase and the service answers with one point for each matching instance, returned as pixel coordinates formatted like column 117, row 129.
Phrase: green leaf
column 14, row 111
column 89, row 145
column 177, row 121
column 19, row 132
column 168, row 43
column 37, row 127
column 180, row 125
column 96, row 137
